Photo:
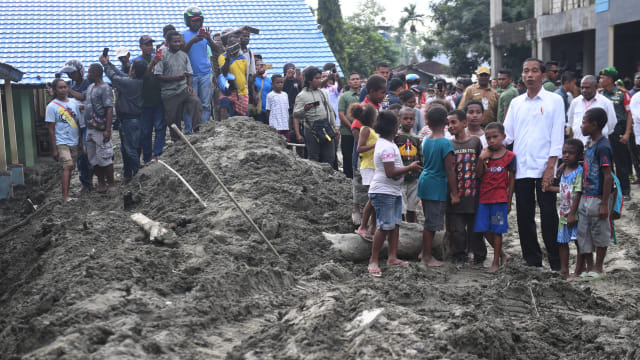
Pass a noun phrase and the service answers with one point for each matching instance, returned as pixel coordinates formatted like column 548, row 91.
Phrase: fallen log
column 354, row 247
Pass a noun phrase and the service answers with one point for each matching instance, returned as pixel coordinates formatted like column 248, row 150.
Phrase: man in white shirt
column 590, row 98
column 535, row 125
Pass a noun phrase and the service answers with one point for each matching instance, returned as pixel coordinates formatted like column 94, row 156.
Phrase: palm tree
column 411, row 17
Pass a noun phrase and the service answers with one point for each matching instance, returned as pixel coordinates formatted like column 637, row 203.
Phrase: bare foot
column 355, row 218
column 392, row 262
column 432, row 262
column 566, row 275
column 504, row 258
column 493, row 268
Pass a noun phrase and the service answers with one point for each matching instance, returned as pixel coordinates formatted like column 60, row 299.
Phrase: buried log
column 355, row 248
column 157, row 232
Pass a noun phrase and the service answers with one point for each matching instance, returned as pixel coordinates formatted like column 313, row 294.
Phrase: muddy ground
column 81, row 281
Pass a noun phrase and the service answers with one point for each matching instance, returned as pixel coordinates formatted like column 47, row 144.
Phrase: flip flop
column 365, row 234
column 374, row 271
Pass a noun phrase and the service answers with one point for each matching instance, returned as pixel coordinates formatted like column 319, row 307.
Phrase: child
column 426, row 130
column 570, row 190
column 432, row 184
column 386, row 189
column 395, row 108
column 278, row 107
column 408, row 99
column 410, row 149
column 367, row 137
column 594, row 230
column 460, row 217
column 234, row 62
column 475, row 116
column 496, row 170
column 62, row 116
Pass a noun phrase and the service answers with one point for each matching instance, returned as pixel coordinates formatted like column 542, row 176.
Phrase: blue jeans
column 83, row 162
column 202, row 87
column 129, row 144
column 152, row 118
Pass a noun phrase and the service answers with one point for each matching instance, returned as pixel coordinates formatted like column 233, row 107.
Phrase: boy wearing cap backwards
column 481, row 91
column 198, row 40
column 152, row 116
column 622, row 131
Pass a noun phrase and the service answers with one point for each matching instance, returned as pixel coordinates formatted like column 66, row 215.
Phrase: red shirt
column 494, row 185
column 367, row 101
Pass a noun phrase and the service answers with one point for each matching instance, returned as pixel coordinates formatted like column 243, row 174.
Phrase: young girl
column 385, row 191
column 62, row 116
column 365, row 115
column 475, row 115
column 570, row 190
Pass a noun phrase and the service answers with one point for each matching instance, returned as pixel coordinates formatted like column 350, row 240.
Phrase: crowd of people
column 460, row 151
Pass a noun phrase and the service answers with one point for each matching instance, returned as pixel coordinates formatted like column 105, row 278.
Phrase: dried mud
column 81, row 280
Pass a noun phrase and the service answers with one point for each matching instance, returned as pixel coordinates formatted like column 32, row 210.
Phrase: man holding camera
column 484, row 93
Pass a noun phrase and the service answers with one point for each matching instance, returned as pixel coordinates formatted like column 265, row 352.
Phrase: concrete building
column 582, row 35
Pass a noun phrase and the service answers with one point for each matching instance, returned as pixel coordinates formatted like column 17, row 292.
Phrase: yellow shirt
column 366, row 158
column 239, row 69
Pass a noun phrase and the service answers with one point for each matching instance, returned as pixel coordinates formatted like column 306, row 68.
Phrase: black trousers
column 622, row 161
column 346, row 146
column 526, row 191
column 460, row 229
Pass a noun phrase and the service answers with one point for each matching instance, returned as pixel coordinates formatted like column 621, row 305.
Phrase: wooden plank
column 27, row 124
column 13, row 141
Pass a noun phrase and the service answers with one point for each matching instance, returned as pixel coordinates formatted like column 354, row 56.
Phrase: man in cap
column 123, row 54
column 481, row 91
column 75, row 71
column 152, row 115
column 621, row 135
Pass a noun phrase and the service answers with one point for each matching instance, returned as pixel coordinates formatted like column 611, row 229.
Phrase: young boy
column 460, row 217
column 278, row 107
column 475, row 116
column 173, row 69
column 432, row 184
column 62, row 116
column 496, row 170
column 594, row 230
column 408, row 99
column 570, row 190
column 410, row 150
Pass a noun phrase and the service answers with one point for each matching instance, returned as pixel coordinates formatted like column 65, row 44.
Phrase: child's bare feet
column 431, row 262
column 493, row 268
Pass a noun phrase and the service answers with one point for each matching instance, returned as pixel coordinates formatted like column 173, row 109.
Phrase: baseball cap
column 483, row 70
column 122, row 51
column 72, row 66
column 144, row 39
column 610, row 72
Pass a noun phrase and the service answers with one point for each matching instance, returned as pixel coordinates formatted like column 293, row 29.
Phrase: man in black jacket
column 128, row 108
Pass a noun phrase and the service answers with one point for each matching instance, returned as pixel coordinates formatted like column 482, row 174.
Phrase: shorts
column 99, row 152
column 433, row 214
column 67, row 155
column 593, row 232
column 360, row 195
column 410, row 200
column 367, row 176
column 492, row 217
column 388, row 210
column 567, row 234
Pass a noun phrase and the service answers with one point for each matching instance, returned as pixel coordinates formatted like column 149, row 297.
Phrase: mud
column 81, row 280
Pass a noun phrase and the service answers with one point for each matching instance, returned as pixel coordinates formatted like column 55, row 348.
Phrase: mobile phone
column 159, row 53
column 202, row 31
column 316, row 103
column 253, row 30
column 105, row 52
column 334, row 71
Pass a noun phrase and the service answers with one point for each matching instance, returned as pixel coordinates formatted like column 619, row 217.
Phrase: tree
column 330, row 17
column 411, row 17
column 409, row 44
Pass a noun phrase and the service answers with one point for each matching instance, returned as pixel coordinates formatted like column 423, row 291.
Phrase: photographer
column 313, row 109
column 236, row 99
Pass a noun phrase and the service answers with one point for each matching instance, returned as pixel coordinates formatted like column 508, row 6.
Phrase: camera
column 253, row 30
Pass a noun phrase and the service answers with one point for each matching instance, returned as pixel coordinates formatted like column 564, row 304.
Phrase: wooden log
column 355, row 248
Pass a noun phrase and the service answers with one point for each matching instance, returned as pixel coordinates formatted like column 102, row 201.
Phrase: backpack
column 617, row 207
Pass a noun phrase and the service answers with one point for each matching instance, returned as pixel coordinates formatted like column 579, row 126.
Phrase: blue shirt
column 265, row 84
column 596, row 156
column 432, row 184
column 198, row 54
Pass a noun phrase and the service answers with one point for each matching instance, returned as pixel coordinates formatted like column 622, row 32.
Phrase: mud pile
column 82, row 281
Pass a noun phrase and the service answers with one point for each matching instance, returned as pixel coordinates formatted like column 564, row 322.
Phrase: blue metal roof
column 38, row 36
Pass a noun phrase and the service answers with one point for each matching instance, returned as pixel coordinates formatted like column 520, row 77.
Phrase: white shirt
column 635, row 113
column 579, row 106
column 334, row 96
column 536, row 128
column 386, row 151
column 278, row 107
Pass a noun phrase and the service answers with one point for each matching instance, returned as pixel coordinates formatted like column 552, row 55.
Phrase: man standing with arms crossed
column 535, row 125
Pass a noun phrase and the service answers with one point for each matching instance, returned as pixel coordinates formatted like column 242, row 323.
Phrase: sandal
column 365, row 234
column 374, row 271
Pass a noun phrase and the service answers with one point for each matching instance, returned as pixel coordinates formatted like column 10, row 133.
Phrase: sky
column 393, row 8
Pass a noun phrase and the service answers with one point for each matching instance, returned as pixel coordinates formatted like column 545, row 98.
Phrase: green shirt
column 346, row 99
column 620, row 99
column 548, row 85
column 507, row 95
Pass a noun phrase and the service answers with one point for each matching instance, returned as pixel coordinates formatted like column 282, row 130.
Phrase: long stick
column 184, row 138
column 184, row 182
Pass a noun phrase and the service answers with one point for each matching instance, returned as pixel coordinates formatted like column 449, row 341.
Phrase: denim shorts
column 388, row 210
column 492, row 217
column 567, row 234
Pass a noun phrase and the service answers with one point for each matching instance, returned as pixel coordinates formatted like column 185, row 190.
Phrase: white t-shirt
column 635, row 113
column 334, row 96
column 386, row 151
column 579, row 106
column 278, row 107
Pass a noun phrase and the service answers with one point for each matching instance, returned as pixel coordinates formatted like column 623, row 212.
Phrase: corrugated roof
column 39, row 36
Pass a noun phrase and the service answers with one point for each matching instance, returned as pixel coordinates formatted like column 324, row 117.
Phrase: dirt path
column 81, row 281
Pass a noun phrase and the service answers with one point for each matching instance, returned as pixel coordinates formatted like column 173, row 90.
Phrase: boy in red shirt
column 496, row 171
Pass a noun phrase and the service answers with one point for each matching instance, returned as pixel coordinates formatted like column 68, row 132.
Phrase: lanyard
column 587, row 106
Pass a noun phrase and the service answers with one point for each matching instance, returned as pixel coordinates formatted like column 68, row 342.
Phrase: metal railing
column 559, row 6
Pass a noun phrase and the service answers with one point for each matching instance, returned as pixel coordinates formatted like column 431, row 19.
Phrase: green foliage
column 330, row 17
